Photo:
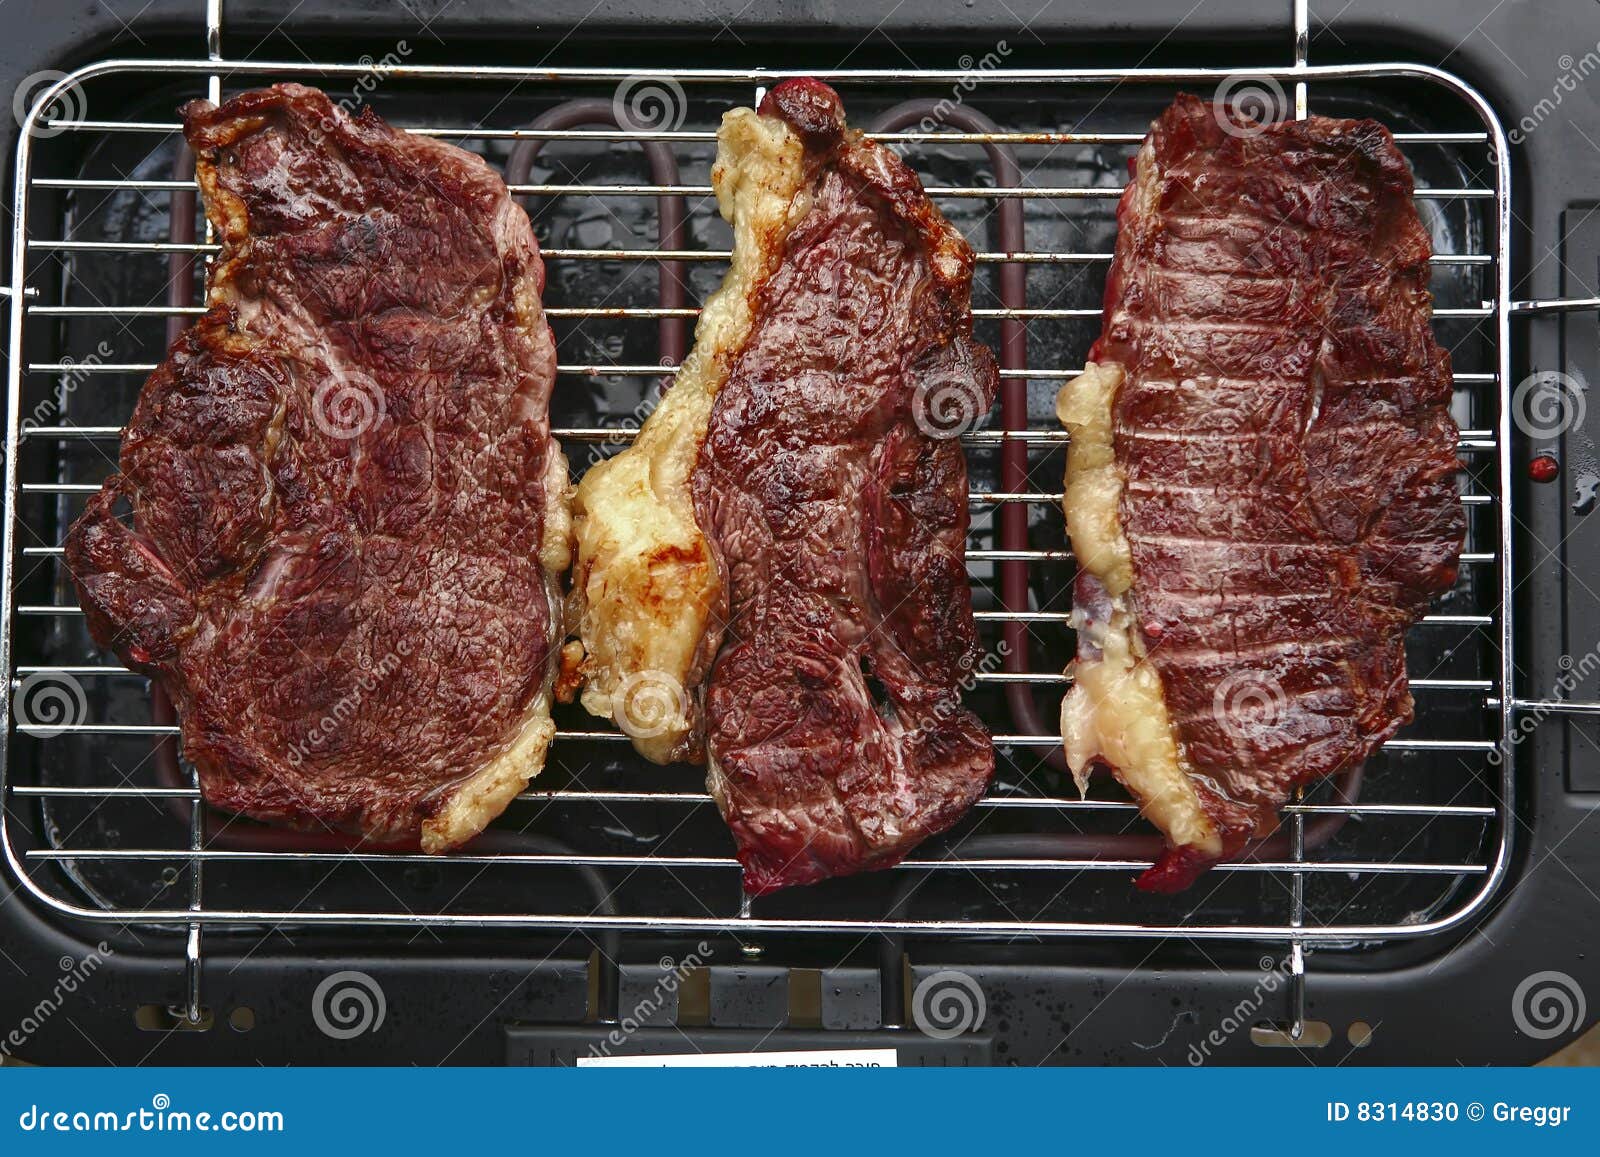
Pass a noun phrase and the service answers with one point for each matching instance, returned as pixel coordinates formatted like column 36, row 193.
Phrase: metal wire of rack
column 1035, row 861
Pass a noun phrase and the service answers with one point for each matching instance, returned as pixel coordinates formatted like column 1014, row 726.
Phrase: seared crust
column 1284, row 449
column 833, row 489
column 772, row 577
column 348, row 516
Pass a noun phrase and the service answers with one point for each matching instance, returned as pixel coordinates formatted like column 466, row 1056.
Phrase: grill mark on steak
column 1285, row 453
column 348, row 515
column 835, row 737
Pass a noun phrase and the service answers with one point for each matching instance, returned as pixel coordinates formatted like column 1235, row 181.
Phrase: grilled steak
column 833, row 625
column 644, row 584
column 1260, row 488
column 347, row 513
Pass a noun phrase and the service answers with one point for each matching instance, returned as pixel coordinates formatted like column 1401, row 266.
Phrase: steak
column 831, row 629
column 337, row 530
column 644, row 583
column 1261, row 481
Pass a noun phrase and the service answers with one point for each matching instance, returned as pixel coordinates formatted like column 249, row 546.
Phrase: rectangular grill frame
column 1496, row 314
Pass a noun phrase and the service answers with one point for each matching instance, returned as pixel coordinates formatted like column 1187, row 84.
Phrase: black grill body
column 168, row 991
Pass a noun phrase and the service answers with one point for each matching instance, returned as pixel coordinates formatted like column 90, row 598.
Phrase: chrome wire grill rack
column 102, row 819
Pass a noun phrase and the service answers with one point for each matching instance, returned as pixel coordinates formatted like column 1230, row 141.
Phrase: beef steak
column 1261, row 484
column 835, row 738
column 792, row 529
column 347, row 513
column 644, row 585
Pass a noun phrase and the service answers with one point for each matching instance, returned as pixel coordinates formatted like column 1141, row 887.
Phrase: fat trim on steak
column 645, row 583
column 1115, row 709
column 477, row 802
